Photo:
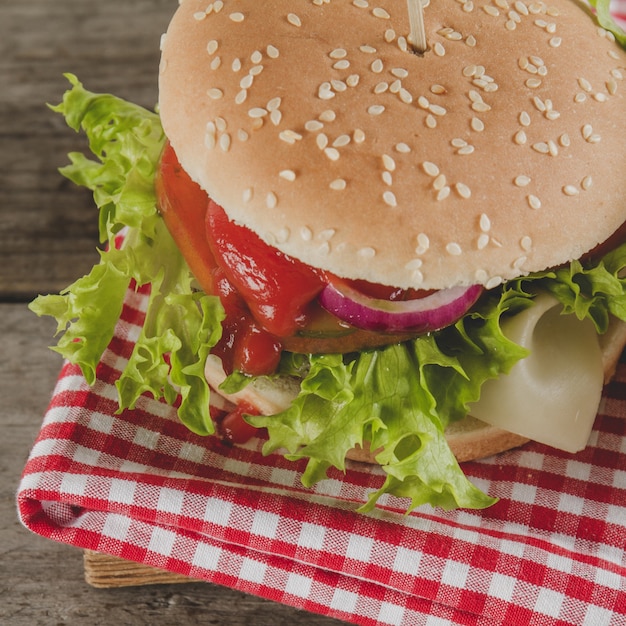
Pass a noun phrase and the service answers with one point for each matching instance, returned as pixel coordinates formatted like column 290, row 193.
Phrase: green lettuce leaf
column 605, row 19
column 181, row 325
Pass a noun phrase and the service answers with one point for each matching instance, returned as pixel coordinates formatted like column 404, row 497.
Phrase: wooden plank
column 106, row 571
column 48, row 228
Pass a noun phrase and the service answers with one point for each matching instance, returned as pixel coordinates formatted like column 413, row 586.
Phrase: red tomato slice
column 276, row 287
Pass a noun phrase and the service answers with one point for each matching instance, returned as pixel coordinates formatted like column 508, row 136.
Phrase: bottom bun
column 469, row 439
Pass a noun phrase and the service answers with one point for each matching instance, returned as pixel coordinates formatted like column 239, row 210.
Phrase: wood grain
column 48, row 238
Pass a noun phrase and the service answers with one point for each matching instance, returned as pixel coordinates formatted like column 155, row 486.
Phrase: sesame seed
column 390, row 199
column 306, row 233
column 332, row 154
column 387, row 178
column 485, row 223
column 376, row 109
column 454, row 249
column 338, row 185
column 403, row 148
column 380, row 12
column 361, row 4
column 344, row 64
column 399, row 72
column 482, row 241
column 322, row 141
column 215, row 94
column 199, row 16
column 341, row 141
column 481, row 276
column 430, row 168
column 477, row 124
column 586, row 183
column 570, row 190
column 526, row 243
column 236, row 65
column 220, row 123
column 405, row 96
column 431, row 121
column 367, row 253
column 290, row 136
column 443, row 194
column 564, row 140
column 471, row 40
column 439, row 49
column 353, row 80
column 381, row 88
column 440, row 182
column 257, row 112
column 358, row 136
column 390, row 35
column 247, row 194
column 520, row 138
column 271, row 201
column 389, row 163
column 225, row 142
column 313, row 125
column 328, row 116
column 542, row 147
column 289, row 175
column 246, row 81
column 276, row 116
column 534, row 202
column 237, row 17
column 242, row 135
column 522, row 180
column 218, row 6
column 377, row 66
column 493, row 282
column 212, row 46
column 463, row 190
column 294, row 20
column 338, row 53
column 241, row 97
column 368, row 49
column 272, row 52
column 423, row 244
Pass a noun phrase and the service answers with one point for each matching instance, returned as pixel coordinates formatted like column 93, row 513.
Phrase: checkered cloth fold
column 141, row 486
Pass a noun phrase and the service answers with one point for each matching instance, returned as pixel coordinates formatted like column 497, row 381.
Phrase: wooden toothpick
column 417, row 36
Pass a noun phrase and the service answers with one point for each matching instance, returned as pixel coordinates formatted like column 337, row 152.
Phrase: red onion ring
column 421, row 315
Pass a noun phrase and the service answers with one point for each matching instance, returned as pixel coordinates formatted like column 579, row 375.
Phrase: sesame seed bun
column 498, row 152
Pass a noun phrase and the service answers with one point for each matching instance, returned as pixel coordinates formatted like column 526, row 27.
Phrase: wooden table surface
column 47, row 239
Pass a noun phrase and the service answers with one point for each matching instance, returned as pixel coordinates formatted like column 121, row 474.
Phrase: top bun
column 498, row 152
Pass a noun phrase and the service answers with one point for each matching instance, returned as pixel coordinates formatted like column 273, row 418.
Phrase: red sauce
column 269, row 297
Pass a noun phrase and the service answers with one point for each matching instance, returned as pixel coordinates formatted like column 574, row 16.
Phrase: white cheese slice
column 551, row 396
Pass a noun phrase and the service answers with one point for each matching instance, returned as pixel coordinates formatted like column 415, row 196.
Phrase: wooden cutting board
column 104, row 571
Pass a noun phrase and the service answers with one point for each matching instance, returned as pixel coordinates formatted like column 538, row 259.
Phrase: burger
column 358, row 247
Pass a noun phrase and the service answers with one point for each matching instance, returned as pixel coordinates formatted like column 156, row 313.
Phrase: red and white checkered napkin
column 140, row 486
